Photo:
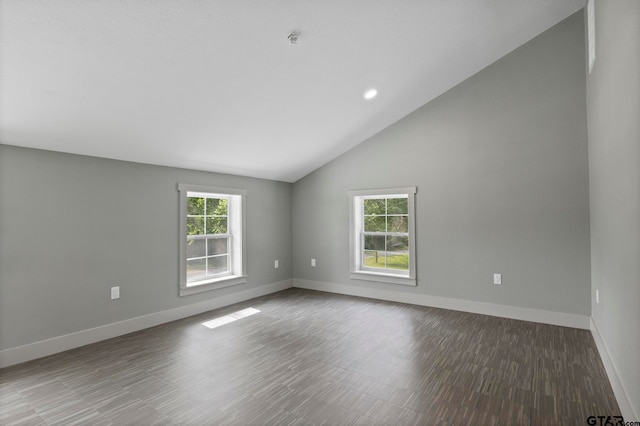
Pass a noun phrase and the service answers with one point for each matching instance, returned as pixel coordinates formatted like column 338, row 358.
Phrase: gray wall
column 613, row 105
column 72, row 226
column 500, row 163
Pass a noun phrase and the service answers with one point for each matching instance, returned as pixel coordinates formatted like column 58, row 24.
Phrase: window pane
column 398, row 261
column 374, row 259
column 397, row 243
column 195, row 226
column 217, row 265
column 196, row 248
column 398, row 253
column 375, row 223
column 217, row 246
column 216, row 225
column 374, row 242
column 375, row 206
column 216, row 206
column 195, row 206
column 398, row 223
column 397, row 206
column 196, row 269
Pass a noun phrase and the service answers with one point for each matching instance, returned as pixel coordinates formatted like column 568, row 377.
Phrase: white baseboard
column 504, row 311
column 57, row 344
column 619, row 391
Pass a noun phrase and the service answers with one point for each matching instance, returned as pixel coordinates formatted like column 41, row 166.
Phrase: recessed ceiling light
column 370, row 94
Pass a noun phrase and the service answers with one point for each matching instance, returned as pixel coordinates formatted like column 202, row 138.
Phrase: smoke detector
column 293, row 37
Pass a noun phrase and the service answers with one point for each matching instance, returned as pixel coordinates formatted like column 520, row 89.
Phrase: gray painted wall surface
column 613, row 105
column 500, row 163
column 72, row 226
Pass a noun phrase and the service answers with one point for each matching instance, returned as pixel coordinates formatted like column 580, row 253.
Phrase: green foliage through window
column 207, row 216
column 386, row 233
column 207, row 236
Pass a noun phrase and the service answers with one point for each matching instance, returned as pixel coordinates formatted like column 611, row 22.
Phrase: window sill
column 214, row 284
column 382, row 278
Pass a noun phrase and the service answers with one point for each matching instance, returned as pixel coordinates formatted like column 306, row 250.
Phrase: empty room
column 320, row 212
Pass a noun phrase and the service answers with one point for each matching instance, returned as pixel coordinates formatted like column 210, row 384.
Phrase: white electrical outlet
column 497, row 278
column 313, row 263
column 115, row 292
column 276, row 264
column 597, row 296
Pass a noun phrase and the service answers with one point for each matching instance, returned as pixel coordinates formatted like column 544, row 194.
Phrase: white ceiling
column 215, row 85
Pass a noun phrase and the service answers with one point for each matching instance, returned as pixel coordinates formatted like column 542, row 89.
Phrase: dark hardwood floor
column 311, row 358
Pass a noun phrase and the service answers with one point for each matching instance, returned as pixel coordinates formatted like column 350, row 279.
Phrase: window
column 208, row 236
column 211, row 238
column 591, row 33
column 382, row 235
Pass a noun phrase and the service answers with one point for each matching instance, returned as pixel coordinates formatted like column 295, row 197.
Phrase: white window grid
column 207, row 236
column 385, row 234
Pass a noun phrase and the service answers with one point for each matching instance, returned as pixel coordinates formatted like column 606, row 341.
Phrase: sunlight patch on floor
column 226, row 319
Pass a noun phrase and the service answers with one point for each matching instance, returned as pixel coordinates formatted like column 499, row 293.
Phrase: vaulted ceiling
column 218, row 86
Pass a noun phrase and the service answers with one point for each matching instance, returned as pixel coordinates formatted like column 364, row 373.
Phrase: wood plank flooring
column 312, row 358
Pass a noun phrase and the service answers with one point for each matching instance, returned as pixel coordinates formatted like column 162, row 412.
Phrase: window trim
column 357, row 272
column 237, row 209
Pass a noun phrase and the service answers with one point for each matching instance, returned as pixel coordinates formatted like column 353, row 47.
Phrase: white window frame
column 356, row 231
column 236, row 225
